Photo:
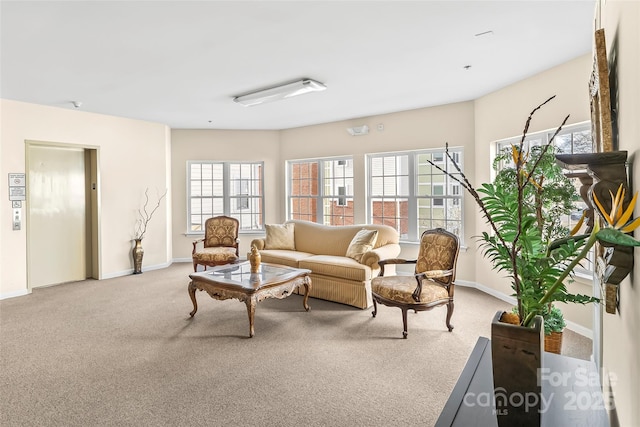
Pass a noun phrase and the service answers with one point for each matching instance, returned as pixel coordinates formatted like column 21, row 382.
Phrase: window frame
column 229, row 197
column 544, row 137
column 413, row 193
column 322, row 196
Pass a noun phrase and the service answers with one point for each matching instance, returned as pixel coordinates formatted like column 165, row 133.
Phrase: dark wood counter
column 571, row 391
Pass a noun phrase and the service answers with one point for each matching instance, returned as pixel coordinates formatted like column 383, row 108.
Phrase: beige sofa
column 322, row 249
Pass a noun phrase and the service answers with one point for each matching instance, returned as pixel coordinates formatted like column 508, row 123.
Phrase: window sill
column 241, row 233
column 463, row 248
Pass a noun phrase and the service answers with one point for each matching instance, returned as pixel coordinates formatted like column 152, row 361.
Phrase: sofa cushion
column 362, row 242
column 400, row 289
column 336, row 266
column 334, row 240
column 219, row 254
column 283, row 257
column 279, row 236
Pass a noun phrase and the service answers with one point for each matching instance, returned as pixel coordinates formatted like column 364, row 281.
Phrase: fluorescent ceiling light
column 277, row 93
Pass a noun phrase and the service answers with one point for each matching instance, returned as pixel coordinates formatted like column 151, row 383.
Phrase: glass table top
column 240, row 274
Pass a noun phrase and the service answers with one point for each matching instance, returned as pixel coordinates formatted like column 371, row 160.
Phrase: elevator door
column 57, row 223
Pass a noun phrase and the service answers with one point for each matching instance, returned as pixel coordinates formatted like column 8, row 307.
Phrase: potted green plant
column 538, row 259
column 534, row 216
column 554, row 324
column 527, row 242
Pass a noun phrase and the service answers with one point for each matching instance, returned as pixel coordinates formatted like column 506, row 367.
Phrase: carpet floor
column 124, row 352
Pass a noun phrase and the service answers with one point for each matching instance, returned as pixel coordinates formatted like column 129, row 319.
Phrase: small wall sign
column 17, row 187
column 17, row 180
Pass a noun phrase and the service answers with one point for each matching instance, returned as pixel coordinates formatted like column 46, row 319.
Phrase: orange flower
column 521, row 159
column 618, row 218
column 518, row 157
column 577, row 227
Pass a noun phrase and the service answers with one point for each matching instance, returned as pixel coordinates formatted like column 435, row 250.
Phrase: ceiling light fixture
column 277, row 93
column 358, row 130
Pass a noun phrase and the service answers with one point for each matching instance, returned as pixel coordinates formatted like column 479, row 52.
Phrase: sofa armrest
column 259, row 243
column 372, row 257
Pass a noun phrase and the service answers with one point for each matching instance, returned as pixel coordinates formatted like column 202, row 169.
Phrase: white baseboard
column 579, row 329
column 130, row 271
column 182, row 260
column 20, row 293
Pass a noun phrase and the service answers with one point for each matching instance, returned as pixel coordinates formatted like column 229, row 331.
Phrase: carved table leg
column 192, row 294
column 307, row 288
column 251, row 310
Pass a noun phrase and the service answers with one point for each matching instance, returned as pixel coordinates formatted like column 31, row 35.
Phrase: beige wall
column 223, row 145
column 621, row 331
column 132, row 154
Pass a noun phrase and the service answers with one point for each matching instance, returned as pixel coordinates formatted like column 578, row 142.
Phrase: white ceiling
column 181, row 62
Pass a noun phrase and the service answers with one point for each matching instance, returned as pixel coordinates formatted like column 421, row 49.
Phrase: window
column 409, row 194
column 225, row 188
column 573, row 139
column 321, row 190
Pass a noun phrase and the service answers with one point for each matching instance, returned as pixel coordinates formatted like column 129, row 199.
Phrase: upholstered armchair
column 432, row 283
column 220, row 243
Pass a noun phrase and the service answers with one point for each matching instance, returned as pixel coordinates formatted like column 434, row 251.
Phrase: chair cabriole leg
column 404, row 322
column 449, row 314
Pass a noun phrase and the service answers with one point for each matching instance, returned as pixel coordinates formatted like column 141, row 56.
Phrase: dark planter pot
column 517, row 359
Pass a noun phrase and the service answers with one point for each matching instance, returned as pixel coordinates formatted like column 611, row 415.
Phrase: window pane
column 582, row 142
column 196, row 188
column 325, row 184
column 196, row 171
column 389, row 166
column 563, row 143
column 390, row 184
column 392, row 212
column 241, row 198
column 377, row 186
column 376, row 166
column 393, row 192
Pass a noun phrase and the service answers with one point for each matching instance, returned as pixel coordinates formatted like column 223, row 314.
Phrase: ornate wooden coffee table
column 237, row 281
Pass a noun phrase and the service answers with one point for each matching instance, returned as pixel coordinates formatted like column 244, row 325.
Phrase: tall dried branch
column 523, row 179
column 144, row 215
